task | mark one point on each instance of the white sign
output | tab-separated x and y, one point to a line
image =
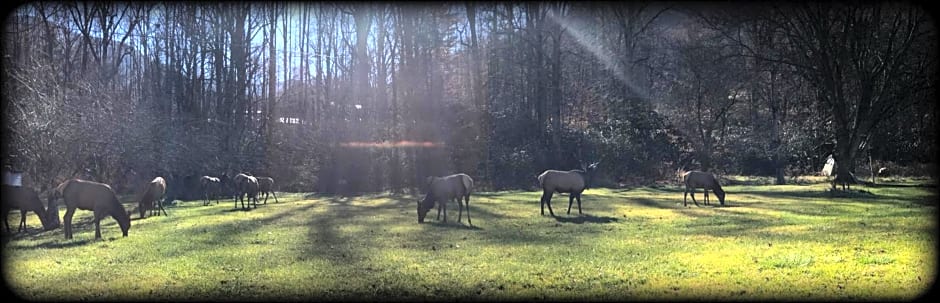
11	178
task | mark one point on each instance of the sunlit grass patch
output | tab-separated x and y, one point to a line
788	260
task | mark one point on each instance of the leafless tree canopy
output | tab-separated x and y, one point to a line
356	97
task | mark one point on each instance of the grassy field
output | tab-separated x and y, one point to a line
770	242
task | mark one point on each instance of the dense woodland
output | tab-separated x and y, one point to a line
354	97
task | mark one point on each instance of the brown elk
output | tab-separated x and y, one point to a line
573	182
152	196
265	186
443	189
210	185
245	185
25	199
93	196
697	179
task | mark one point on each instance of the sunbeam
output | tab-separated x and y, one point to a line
596	47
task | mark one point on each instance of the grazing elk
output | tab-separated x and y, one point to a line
573	182
88	195
152	197
245	185
265	186
25	199
210	185
443	189
697	179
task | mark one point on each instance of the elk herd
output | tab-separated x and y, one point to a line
102	200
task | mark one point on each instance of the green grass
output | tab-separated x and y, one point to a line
770	242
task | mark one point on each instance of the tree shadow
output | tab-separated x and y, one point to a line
452	225
55	244
586	219
229	210
651	203
70	243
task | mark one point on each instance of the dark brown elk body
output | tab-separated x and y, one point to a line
152	196
25	199
266	186
245	185
703	180
573	182
443	189
210	185
94	196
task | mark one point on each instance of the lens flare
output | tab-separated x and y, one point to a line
390	144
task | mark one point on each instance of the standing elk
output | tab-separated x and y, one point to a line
152	197
573	182
210	185
443	189
88	195
25	199
245	185
697	179
265	186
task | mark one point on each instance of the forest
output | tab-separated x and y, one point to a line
346	98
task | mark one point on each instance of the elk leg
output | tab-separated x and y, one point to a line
692	193
6	215
160	203
546	196
579	203
570	200
68	222
468	210
459	209
98	217
542	203
22	225
706	196
265	198
439	206
685	196
548	201
97	229
275	196
444	208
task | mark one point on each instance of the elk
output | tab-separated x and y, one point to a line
265	186
88	195
573	182
443	189
703	180
245	185
152	196
25	199
210	185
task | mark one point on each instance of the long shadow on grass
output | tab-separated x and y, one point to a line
586	219
729	224
834	200
452	225
723	222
